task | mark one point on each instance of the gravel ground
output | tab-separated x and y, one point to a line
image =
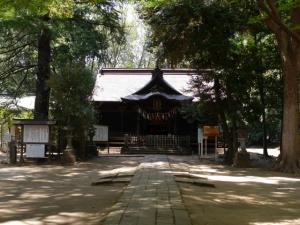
251	196
53	194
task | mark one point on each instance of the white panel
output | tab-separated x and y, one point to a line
35	151
36	134
101	133
200	135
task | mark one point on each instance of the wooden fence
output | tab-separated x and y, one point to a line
157	141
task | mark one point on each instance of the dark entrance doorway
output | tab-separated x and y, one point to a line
157	127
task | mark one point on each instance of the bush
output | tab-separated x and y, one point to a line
72	89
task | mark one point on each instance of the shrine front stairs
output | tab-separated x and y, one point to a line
155	150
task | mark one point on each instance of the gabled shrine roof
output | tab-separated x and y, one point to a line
157	86
115	84
26	102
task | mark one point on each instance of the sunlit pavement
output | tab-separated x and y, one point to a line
152	197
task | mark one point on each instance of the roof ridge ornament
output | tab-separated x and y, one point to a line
157	73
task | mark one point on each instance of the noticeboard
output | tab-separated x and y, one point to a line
36	134
211	131
200	135
35	150
101	133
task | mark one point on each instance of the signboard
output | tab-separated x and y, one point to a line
211	131
36	134
101	133
200	135
35	151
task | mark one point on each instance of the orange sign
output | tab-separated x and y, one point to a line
211	131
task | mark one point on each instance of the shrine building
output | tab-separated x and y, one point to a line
141	108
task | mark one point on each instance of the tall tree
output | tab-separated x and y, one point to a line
50	15
42	94
260	61
17	63
41	11
213	35
198	33
283	19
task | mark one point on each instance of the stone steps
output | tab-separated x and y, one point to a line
145	150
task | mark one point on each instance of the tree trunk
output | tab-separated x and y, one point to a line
289	46
263	113
290	56
41	107
265	138
260	83
228	159
290	154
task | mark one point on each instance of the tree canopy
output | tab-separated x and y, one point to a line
39	36
225	37
251	50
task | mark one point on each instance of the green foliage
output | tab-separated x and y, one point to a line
228	38
72	87
54	8
17	56
7	114
202	113
80	31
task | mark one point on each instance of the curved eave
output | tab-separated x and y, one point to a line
136	97
152	82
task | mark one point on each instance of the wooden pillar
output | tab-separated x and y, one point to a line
144	126
175	124
22	145
122	119
98	113
138	120
126	139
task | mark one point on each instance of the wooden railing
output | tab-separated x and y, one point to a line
157	141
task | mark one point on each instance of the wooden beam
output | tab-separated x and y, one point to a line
148	71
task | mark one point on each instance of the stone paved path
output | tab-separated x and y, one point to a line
151	198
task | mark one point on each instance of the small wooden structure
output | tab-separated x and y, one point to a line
210	131
35	137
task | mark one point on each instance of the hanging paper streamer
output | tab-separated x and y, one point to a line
157	115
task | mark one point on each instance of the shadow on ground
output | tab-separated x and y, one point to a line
60	195
242	196
64	195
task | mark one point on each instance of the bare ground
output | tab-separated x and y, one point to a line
53	194
249	196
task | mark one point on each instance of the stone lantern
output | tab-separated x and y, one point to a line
242	157
68	153
92	148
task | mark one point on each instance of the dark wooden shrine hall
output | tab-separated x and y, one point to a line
142	109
